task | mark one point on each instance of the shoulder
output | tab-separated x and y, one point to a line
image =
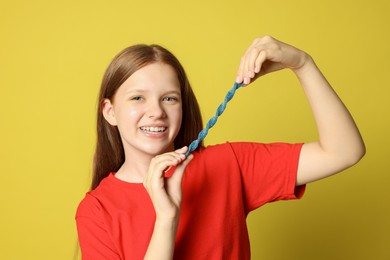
89	206
265	148
237	148
214	153
224	155
228	147
244	152
215	149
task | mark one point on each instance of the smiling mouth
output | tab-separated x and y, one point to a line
153	130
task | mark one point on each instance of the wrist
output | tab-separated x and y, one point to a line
306	68
166	224
167	219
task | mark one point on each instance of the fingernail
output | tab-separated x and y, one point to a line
238	79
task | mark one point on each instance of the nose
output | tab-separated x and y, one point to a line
156	110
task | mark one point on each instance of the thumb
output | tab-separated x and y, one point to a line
179	171
184	164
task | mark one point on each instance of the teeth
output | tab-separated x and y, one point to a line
153	129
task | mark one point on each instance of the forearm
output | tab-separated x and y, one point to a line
340	144
162	243
339	139
166	195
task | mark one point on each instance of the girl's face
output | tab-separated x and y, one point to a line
147	108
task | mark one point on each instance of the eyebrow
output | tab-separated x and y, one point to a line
135	90
173	92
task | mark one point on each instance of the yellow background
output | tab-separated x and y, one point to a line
52	58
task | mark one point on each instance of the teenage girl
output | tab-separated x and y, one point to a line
148	115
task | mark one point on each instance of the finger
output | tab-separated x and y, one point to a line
240	77
243	75
182	150
179	169
159	164
166	162
176	157
251	56
254	54
259	61
246	68
184	164
173	184
181	153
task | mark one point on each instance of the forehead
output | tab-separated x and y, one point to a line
155	76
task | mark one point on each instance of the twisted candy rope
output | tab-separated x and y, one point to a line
214	119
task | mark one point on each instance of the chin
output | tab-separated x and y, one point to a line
154	150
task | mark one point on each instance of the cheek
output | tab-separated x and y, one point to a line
178	116
133	112
130	116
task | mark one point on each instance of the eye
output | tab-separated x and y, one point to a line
136	98
171	99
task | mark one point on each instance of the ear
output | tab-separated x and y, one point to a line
108	112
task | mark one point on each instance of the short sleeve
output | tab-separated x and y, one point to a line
94	239
268	172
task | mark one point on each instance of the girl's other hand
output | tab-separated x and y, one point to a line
266	55
166	193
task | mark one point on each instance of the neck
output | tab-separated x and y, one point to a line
136	166
134	169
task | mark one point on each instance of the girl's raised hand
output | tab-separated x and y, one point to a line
267	55
166	193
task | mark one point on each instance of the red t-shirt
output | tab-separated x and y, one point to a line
221	185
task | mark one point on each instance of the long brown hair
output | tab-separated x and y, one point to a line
109	153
